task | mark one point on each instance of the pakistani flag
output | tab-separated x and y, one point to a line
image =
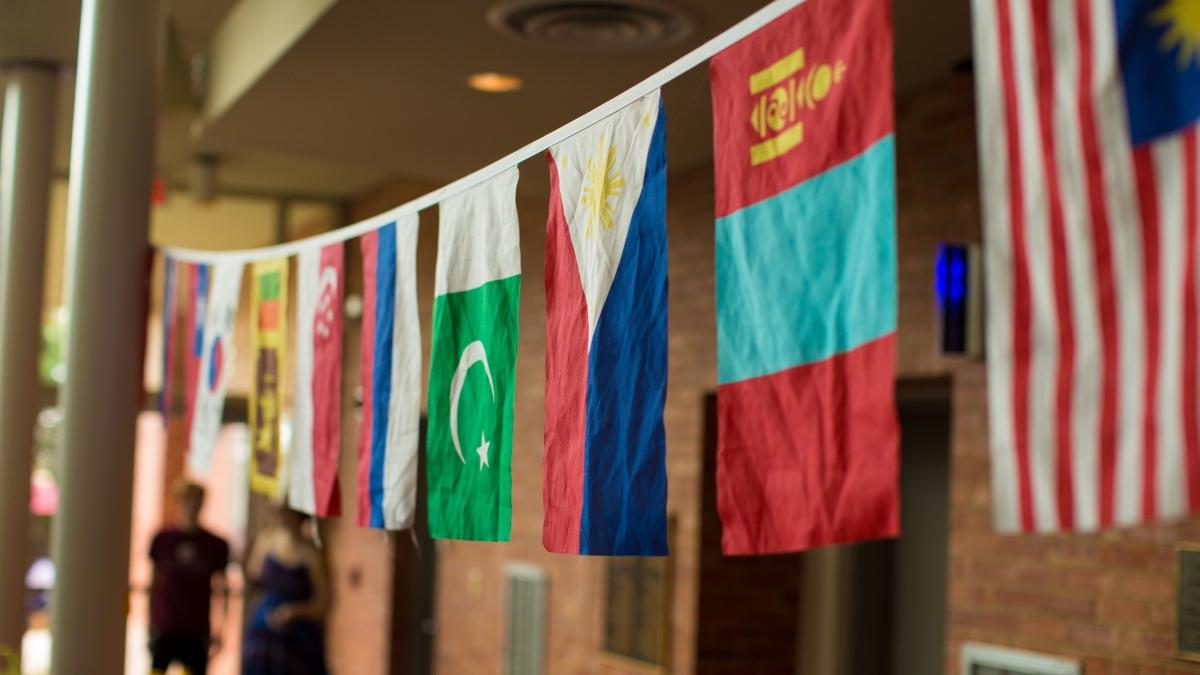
472	372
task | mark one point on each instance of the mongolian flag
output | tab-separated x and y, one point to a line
605	489
317	412
472	372
391	378
169	311
807	450
216	361
268	322
1089	157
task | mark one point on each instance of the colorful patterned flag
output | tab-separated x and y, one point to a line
317	410
195	313
807	451
216	363
472	372
169	312
391	378
268	323
1091	176
605	490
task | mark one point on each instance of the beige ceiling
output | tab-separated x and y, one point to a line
375	89
39	30
380	85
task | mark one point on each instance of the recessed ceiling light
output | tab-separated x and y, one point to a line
494	83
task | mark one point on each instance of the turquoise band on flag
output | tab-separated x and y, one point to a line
811	272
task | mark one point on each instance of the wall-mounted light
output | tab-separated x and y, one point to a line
494	83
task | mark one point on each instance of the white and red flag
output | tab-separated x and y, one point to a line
216	361
1090	190
317	414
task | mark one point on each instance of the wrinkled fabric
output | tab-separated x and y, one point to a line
808	440
605	483
472	370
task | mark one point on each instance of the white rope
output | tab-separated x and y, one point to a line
656	81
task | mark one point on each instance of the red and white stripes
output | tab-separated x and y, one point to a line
1092	279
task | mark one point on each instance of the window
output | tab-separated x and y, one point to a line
987	660
637	611
526	620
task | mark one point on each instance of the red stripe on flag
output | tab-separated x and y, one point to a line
1063	389
1191	329
1102	262
1143	168
1022	324
830	480
370	250
191	355
566	382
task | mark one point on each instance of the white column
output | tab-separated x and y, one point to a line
26	142
112	157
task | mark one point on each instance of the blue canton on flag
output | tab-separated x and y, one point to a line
1160	65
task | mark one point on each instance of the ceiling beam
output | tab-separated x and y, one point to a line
249	41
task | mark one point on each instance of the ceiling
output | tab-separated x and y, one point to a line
376	89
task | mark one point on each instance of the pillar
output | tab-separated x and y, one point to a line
825	611
26	142
108	213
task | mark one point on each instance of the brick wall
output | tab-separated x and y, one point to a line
470	594
1106	598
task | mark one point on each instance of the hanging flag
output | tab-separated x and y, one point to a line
195	313
472	370
1091	176
169	311
605	490
1158	43
216	363
391	378
807	446
268	327
317	415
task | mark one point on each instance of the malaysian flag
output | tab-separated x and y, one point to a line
1090	172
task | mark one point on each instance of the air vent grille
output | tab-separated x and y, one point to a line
596	24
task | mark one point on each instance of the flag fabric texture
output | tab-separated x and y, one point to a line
195	310
1090	176
169	314
317	408
807	450
472	370
391	378
605	482
216	362
268	326
1159	46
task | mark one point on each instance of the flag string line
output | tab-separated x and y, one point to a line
677	68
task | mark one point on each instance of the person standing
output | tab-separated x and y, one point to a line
189	566
286	634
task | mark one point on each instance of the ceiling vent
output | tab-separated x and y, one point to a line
598	24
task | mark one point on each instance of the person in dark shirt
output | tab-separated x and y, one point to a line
189	566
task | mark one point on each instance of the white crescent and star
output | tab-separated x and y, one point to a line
472	354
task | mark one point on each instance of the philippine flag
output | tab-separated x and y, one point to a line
605	489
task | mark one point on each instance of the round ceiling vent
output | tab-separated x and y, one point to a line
595	24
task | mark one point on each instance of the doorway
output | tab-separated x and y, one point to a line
876	608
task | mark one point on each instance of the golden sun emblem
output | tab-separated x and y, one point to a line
1182	19
603	183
